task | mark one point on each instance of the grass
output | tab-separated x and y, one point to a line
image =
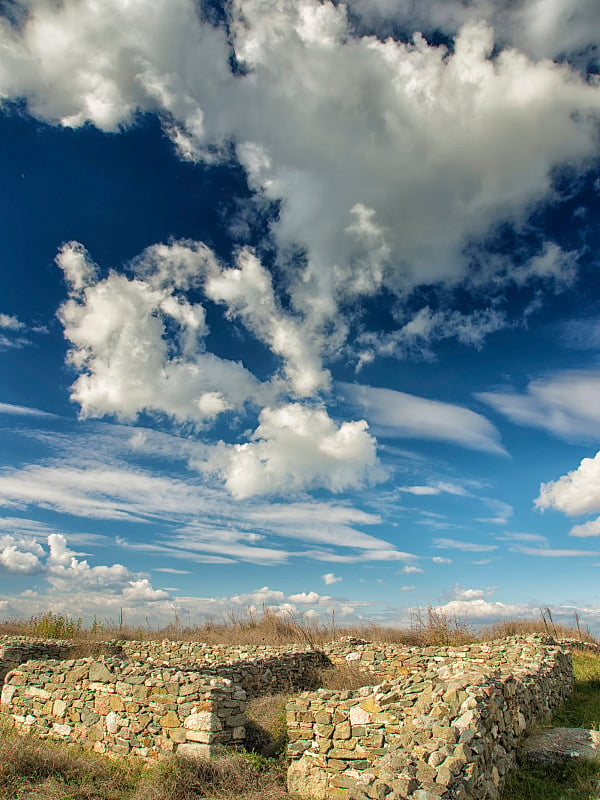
34	769
578	780
266	731
428	626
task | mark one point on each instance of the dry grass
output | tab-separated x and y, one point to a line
428	626
500	630
347	676
35	769
31	768
266	732
228	778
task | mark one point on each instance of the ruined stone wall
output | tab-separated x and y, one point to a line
145	709
15	650
128	709
439	723
258	669
446	726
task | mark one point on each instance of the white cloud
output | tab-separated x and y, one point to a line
486	610
77	265
441	560
142	591
437	488
577	492
19	556
502	511
470	594
172	571
543	28
591	528
307	598
11	323
416	335
405	415
11	328
248	294
117	329
99	485
383	102
297	447
22	411
329	578
564	404
468	547
524	537
549	552
407	588
409	570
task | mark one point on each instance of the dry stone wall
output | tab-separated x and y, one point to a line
15	650
145	708
127	709
436	723
447	725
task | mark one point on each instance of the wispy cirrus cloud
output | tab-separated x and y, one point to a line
467	547
564	404
398	414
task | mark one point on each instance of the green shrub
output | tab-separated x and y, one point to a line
55	626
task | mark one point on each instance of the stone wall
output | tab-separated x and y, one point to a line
114	707
445	726
145	709
436	723
15	650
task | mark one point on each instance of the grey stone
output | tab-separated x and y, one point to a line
559	745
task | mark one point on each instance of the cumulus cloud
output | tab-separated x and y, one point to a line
297	447
11	323
577	492
591	528
410	570
66	574
441	560
117	329
329	579
247	291
20	556
384	102
399	414
542	28
564	404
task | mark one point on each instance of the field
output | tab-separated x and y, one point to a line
31	769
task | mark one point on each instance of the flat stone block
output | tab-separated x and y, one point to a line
559	745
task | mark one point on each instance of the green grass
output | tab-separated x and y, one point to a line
577	780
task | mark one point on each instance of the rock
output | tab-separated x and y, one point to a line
99	673
559	745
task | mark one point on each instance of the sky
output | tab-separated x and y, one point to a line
299	309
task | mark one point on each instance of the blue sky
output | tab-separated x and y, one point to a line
299	308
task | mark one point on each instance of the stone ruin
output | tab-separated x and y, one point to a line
437	722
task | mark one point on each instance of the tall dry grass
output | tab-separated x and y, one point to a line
428	626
